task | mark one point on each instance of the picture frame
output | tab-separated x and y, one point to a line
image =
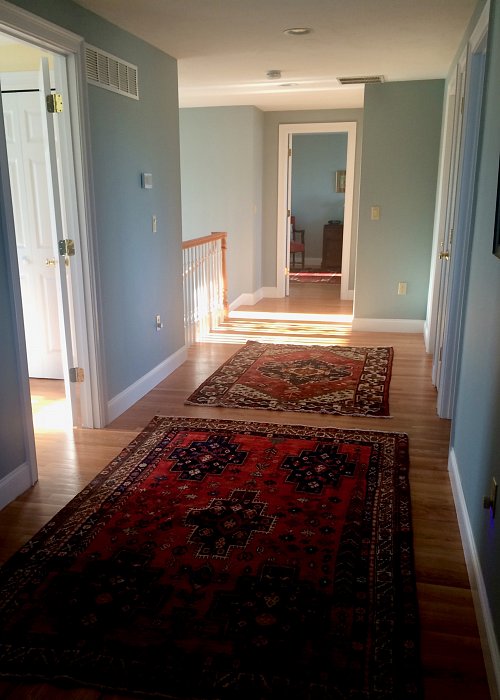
340	181
496	232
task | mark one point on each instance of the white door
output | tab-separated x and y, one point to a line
445	252
288	217
34	235
63	262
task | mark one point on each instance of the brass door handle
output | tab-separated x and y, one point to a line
444	255
50	262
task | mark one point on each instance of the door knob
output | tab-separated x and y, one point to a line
50	262
444	255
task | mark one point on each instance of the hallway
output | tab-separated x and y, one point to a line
451	650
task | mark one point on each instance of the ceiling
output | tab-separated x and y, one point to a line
225	48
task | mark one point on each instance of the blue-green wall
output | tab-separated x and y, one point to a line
221	171
476	426
402	126
139	273
315	160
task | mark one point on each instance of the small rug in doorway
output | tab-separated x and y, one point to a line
312	378
218	559
324	277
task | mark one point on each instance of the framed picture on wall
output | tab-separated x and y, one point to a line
340	181
496	237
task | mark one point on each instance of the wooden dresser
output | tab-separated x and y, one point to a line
332	247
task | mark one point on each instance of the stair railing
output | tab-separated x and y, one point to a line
205	284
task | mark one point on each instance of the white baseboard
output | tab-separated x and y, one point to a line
15	483
388	325
249	299
427	336
125	399
246	299
481	604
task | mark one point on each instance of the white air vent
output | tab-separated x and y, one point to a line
361	80
110	72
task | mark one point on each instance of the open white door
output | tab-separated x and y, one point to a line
26	153
62	246
288	216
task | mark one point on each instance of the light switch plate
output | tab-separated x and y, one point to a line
375	213
147	181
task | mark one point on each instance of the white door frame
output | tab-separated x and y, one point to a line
430	328
285	130
46	35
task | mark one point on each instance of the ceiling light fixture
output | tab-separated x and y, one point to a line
297	31
273	74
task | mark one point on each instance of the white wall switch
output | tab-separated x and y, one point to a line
147	181
375	213
402	288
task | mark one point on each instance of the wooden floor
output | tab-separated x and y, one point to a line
450	647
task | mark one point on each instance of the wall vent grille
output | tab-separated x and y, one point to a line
111	73
361	80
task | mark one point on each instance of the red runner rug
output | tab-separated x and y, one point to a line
312	378
223	559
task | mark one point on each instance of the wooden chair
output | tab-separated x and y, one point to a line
297	243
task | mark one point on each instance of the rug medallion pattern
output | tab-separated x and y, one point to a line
217	559
332	379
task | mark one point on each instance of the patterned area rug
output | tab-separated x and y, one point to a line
224	559
312	378
328	277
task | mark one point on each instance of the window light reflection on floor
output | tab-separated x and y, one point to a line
281	327
50	415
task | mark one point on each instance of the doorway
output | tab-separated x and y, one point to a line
286	134
34	222
80	329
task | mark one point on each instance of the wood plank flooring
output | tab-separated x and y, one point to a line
68	459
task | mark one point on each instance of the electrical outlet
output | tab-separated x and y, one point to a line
375	213
154	223
402	288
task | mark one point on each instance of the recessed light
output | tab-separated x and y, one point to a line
273	74
297	31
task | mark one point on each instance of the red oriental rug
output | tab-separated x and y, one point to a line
313	378
221	559
328	277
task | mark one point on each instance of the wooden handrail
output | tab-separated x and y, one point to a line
218	235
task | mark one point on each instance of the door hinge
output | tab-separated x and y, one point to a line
76	375
66	246
289	152
54	103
